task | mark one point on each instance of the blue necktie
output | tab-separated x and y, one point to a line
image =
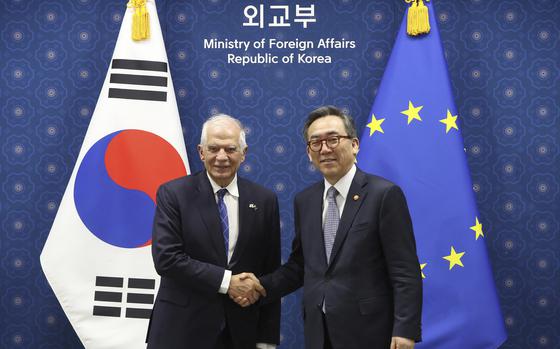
224	218
332	218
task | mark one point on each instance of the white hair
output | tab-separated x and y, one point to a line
223	119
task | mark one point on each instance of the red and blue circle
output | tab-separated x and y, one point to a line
116	184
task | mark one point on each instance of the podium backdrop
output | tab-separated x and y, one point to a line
504	61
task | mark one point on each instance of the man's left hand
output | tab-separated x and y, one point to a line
401	343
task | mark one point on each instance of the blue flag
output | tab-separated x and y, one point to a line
413	138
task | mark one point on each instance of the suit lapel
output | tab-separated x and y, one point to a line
206	204
351	207
246	218
315	211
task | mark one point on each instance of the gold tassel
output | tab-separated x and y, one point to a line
411	27
423	18
140	20
417	21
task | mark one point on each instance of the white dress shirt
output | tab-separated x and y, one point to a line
231	200
342	187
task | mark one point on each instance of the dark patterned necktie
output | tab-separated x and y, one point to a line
224	218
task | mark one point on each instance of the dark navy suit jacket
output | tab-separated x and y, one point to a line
372	285
189	253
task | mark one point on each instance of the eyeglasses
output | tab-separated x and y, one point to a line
331	142
214	149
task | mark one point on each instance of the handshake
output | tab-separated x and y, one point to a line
245	289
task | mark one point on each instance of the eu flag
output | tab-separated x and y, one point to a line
413	137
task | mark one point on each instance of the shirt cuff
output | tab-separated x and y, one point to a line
266	346
224	287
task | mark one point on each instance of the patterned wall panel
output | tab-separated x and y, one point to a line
503	58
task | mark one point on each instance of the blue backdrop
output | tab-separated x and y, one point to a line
504	60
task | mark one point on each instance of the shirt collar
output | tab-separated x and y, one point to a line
231	187
343	184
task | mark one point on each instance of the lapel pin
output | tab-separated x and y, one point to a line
253	206
356	197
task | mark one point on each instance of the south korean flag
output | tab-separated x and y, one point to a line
97	257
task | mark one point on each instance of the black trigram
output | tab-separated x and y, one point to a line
111	290
138	80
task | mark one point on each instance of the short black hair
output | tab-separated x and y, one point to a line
330	110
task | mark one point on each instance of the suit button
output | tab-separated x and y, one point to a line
327	277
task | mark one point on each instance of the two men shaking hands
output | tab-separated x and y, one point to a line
216	239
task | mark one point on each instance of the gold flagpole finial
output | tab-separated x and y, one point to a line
417	20
140	20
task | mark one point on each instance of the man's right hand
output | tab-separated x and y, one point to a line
245	289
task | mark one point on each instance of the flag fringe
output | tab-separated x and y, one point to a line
417	20
140	20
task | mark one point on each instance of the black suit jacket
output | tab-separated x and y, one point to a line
189	253
372	285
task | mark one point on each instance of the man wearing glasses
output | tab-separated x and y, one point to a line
353	251
209	227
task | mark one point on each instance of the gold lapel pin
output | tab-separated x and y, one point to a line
356	197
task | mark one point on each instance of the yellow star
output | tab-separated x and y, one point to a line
412	112
454	258
450	122
422	266
477	228
375	125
